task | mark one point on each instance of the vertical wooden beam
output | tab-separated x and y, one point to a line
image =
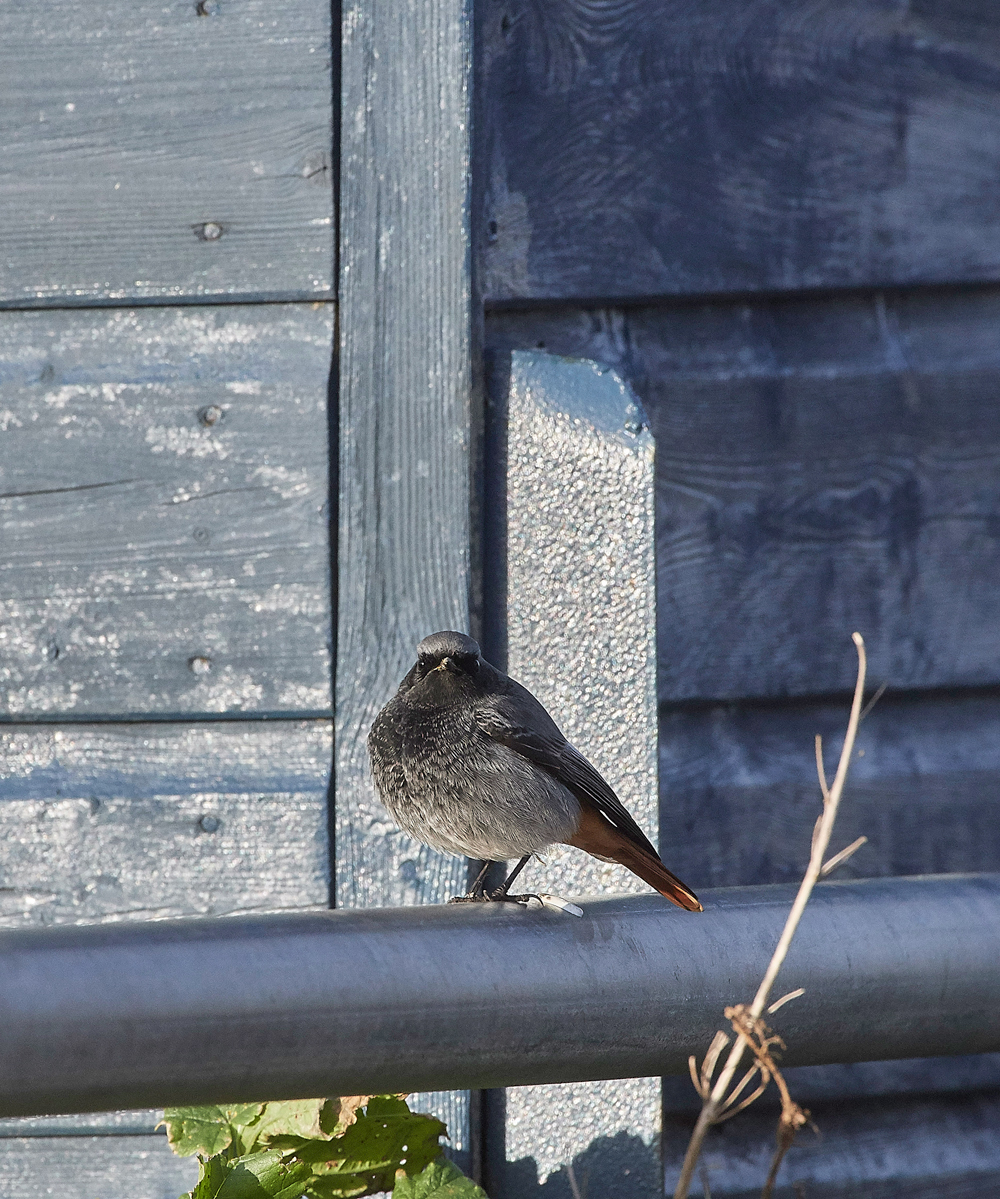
405	382
581	634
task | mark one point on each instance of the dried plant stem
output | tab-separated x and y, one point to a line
712	1106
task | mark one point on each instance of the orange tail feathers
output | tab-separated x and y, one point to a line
598	837
654	872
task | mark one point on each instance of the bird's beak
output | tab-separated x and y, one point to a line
447	664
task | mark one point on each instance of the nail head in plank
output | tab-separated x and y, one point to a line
157	154
163	499
141	821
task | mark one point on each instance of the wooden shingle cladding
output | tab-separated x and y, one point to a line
697	147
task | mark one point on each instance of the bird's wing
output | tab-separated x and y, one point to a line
516	719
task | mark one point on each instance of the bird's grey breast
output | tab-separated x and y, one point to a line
459	790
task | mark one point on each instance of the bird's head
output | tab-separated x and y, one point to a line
448	653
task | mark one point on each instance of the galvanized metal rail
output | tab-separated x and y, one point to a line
427	998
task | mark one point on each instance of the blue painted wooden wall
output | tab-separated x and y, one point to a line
778	221
166	339
776	218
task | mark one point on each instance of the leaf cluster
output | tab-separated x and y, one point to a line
316	1149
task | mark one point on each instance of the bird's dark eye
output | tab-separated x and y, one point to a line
424	664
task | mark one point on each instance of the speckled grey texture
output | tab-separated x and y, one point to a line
581	624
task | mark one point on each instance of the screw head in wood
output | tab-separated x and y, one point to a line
199	664
209	824
211	415
208	231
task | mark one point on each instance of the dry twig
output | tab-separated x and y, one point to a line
718	1100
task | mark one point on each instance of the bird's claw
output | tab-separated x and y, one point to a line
498	896
502	897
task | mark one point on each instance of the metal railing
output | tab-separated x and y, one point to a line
429	998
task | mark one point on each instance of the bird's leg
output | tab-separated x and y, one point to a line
502	894
475	893
476	890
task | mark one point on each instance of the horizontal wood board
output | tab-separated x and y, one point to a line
669	147
164	511
106	1124
921	1148
153	153
145	821
823	466
889	1081
137	1167
739	794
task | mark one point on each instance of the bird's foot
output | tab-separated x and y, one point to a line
501	896
470	898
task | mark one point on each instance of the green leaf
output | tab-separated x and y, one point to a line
440	1180
211	1175
264	1175
256	1176
386	1137
207	1130
342	1186
298	1118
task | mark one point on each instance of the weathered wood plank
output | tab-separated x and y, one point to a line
405	387
739	791
164	511
581	635
140	821
889	1080
137	1167
920	1148
823	466
644	147
109	1124
405	416
157	153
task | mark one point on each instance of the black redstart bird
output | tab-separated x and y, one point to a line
469	762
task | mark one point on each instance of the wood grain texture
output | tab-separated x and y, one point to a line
141	821
106	1124
126	134
823	466
153	562
405	381
890	1081
405	416
86	1167
921	1148
663	147
739	790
